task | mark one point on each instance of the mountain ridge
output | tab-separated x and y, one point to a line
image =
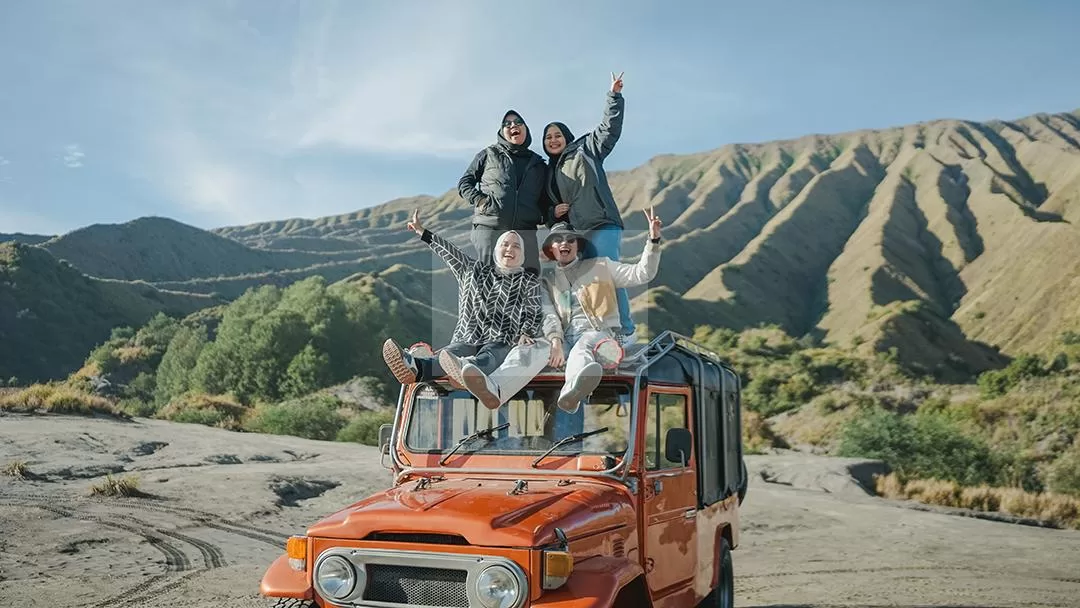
952	241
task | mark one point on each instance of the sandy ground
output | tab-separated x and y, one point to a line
222	504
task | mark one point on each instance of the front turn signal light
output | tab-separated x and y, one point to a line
558	566
296	549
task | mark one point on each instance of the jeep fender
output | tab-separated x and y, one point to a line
281	580
595	583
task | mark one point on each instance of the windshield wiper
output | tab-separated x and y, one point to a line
565	440
485	433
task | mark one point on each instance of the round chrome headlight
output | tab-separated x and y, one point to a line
335	577
497	587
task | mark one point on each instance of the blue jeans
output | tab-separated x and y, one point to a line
606	241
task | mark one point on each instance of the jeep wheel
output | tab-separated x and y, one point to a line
744	481
724	594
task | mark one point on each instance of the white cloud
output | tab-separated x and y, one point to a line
227	106
73	156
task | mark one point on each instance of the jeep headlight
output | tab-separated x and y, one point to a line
497	587
337	579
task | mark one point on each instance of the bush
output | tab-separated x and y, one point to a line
921	446
209	410
1063	476
312	417
58	399
117	486
364	428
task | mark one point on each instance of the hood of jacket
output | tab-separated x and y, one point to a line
522	148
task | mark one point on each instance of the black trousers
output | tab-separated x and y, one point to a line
488	357
484	238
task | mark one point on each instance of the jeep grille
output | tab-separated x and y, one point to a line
414	585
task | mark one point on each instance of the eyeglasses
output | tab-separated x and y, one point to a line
563	238
513	122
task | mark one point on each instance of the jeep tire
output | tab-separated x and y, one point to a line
744	481
724	594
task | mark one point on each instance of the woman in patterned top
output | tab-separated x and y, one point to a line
500	305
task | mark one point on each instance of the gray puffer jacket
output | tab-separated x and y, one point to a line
577	176
504	184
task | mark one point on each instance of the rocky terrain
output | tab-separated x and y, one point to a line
218	505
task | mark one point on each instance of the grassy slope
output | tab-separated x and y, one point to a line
51	315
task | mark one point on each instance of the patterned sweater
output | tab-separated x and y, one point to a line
494	306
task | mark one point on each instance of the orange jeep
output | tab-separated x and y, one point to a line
633	500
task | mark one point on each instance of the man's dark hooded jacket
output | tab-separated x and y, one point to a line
504	183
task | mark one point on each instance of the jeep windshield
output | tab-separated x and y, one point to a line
524	428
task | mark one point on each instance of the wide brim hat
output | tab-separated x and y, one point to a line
560	229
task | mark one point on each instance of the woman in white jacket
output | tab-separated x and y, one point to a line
583	292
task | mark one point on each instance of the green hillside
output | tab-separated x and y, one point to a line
51	315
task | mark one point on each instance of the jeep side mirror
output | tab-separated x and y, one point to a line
677	445
384	438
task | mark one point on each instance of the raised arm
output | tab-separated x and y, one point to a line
467	185
632	275
458	261
601	141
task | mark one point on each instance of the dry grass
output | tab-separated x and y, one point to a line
17	469
211	410
58	399
758	436
1059	509
117	486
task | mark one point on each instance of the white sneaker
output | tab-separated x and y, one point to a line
452	365
580	387
477	383
628	340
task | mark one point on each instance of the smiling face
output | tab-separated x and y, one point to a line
508	251
514	129
554	142
564	248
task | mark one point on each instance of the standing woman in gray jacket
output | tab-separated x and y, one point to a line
577	190
504	183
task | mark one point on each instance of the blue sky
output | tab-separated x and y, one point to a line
237	111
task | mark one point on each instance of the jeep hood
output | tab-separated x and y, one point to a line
485	511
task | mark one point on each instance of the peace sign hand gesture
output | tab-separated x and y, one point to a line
654	223
616	82
414	224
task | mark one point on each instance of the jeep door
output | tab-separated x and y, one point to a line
669	510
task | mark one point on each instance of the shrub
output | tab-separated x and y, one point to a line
58	399
1063	475
924	445
312	417
16	469
117	486
1057	509
364	428
209	410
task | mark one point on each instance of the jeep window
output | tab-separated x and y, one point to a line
664	412
438	419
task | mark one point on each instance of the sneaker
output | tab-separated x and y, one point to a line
628	340
400	363
452	365
580	387
480	385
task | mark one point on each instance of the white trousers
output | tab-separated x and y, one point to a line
521	365
581	354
